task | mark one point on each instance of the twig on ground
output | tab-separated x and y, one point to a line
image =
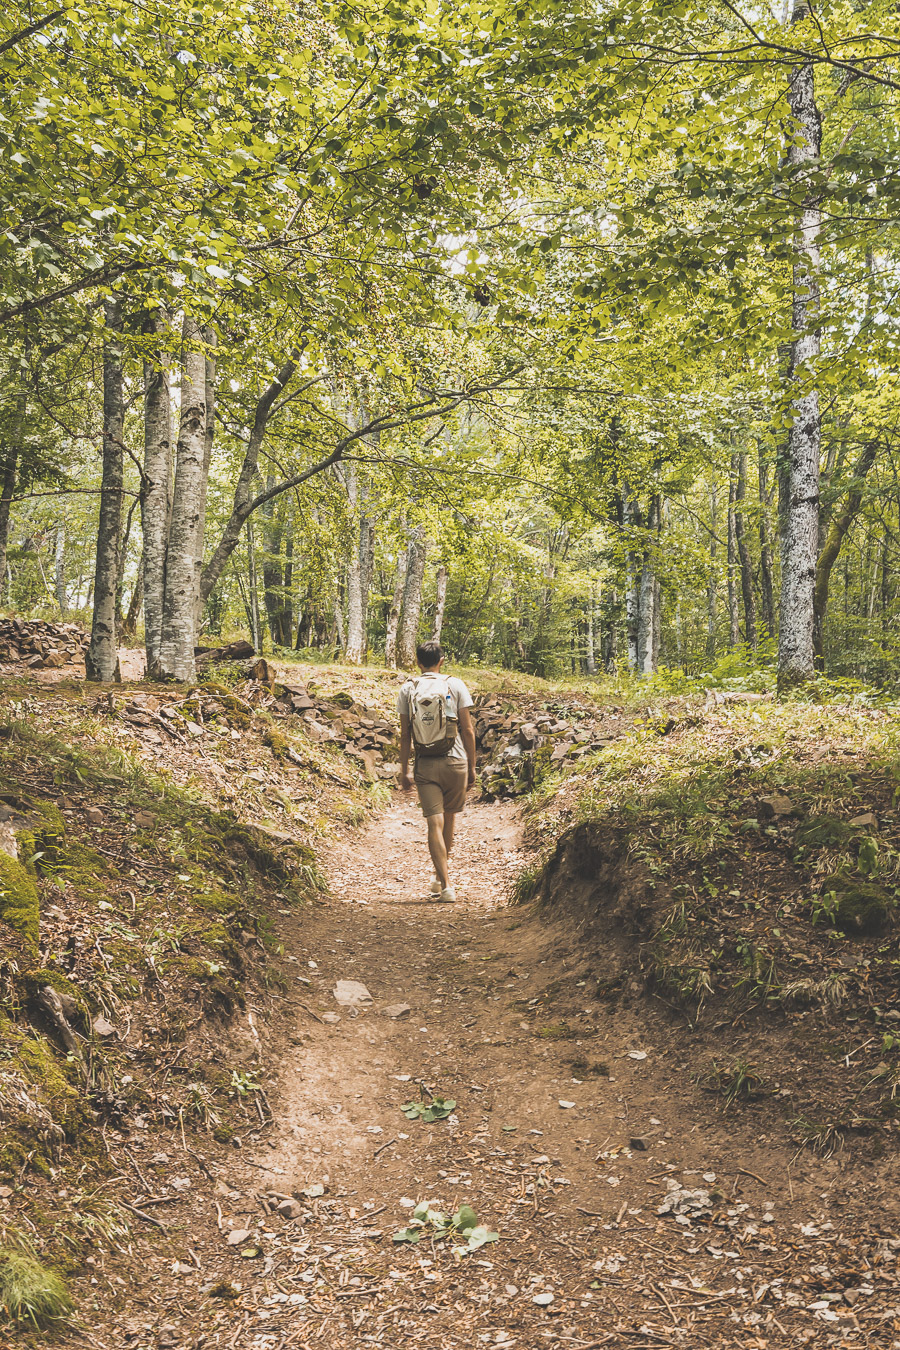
149	1218
382	1147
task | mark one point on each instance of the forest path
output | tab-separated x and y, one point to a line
540	1145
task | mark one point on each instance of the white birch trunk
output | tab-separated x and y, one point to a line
180	598
440	603
393	622
646	597
734	616
356	568
590	658
711	587
59	570
209	336
412	598
801	523
156	502
101	660
8	473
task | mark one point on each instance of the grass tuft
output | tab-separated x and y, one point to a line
29	1292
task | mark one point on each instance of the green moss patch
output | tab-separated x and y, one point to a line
19	903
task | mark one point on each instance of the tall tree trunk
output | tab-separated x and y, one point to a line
393	620
287	598
631	517
711	586
253	583
590	656
101	660
273	577
647	629
740	534
209	337
357	569
156	497
799	545
179	628
129	623
440	603
609	638
765	547
840	523
59	570
734	617
9	463
412	598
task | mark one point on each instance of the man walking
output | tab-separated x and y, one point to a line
435	721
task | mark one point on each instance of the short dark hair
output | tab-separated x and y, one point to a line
429	654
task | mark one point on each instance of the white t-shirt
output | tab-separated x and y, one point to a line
458	693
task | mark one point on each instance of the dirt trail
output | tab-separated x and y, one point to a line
552	1086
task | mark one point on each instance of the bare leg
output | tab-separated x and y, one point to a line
438	849
449	826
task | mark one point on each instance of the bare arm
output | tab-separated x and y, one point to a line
467	733
405	748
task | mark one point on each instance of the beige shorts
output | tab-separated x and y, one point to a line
441	784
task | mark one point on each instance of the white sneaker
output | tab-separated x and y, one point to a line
448	894
436	887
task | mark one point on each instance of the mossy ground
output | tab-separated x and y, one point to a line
728	914
151	921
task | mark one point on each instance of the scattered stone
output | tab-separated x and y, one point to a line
144	819
352	994
93	815
102	1027
543	1300
331	1018
684	1204
774	807
640	1142
237	1236
867	821
397	1010
290	1209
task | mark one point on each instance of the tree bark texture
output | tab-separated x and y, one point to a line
157	492
767	585
357	569
647	597
9	464
838	528
712	596
393	620
101	660
801	523
179	626
743	550
59	570
412	598
440	603
209	337
734	616
590	655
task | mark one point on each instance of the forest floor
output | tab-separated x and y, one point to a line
631	1206
770	1249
